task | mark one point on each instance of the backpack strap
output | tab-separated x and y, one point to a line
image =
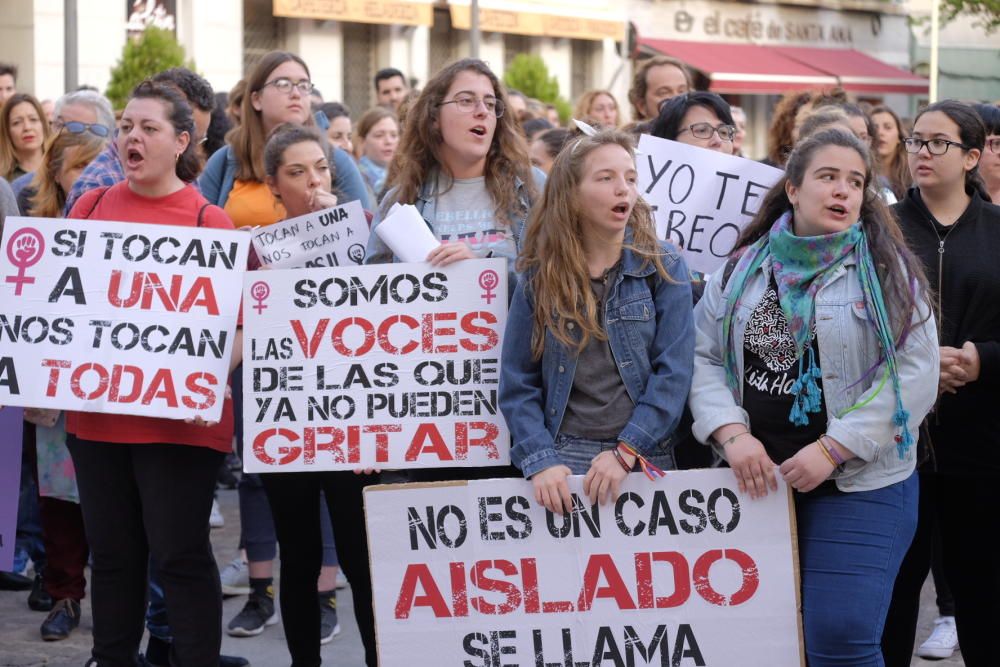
201	213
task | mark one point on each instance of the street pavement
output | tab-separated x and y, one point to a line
21	646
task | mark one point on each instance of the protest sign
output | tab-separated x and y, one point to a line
11	424
701	198
685	571
392	365
118	317
335	236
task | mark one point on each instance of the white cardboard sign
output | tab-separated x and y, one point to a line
335	236
389	366
701	198
685	571
118	317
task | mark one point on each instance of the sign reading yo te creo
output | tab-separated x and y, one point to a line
393	366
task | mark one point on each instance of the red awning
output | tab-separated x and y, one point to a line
857	72
755	69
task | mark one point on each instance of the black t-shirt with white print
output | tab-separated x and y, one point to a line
770	368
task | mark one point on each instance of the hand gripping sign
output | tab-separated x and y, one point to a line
685	571
394	366
701	199
118	317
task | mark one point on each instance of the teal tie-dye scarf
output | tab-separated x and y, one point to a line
801	265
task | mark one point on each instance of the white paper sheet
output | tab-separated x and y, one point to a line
406	234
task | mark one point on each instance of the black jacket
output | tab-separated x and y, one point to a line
962	263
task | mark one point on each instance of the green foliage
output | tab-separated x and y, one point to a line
156	50
529	75
985	12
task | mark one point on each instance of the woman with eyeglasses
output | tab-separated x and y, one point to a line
464	164
954	230
24	129
989	162
699	119
277	92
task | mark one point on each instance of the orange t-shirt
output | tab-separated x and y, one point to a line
252	204
180	208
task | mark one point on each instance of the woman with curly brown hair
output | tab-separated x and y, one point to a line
888	146
780	136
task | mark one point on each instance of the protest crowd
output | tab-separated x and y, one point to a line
845	343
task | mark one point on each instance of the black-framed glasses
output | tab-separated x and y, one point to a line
469	103
706	130
76	127
285	85
934	146
993	144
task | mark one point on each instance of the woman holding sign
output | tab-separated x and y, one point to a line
597	352
816	352
146	484
298	175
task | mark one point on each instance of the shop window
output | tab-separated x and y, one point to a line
514	45
262	32
360	43
442	48
582	66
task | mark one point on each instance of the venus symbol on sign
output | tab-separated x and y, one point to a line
488	280
260	291
24	249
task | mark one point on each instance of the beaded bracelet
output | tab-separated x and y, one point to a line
838	460
651	471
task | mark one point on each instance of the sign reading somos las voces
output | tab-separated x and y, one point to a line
685	571
393	365
332	237
118	317
701	199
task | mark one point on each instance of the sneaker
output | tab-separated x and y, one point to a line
232	661
342	582
39	598
61	621
215	519
235	577
329	627
943	641
257	614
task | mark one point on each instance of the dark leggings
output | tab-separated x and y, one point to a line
294	499
961	509
147	500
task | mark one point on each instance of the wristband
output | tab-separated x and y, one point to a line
651	471
730	440
826	453
621	460
838	460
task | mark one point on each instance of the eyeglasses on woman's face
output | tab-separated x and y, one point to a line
705	131
934	146
284	85
467	103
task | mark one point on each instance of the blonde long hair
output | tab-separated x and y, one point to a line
50	198
553	257
420	145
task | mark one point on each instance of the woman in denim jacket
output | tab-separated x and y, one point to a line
818	354
597	353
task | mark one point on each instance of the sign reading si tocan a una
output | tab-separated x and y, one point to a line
685	571
393	365
118	317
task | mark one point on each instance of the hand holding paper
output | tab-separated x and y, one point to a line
406	234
